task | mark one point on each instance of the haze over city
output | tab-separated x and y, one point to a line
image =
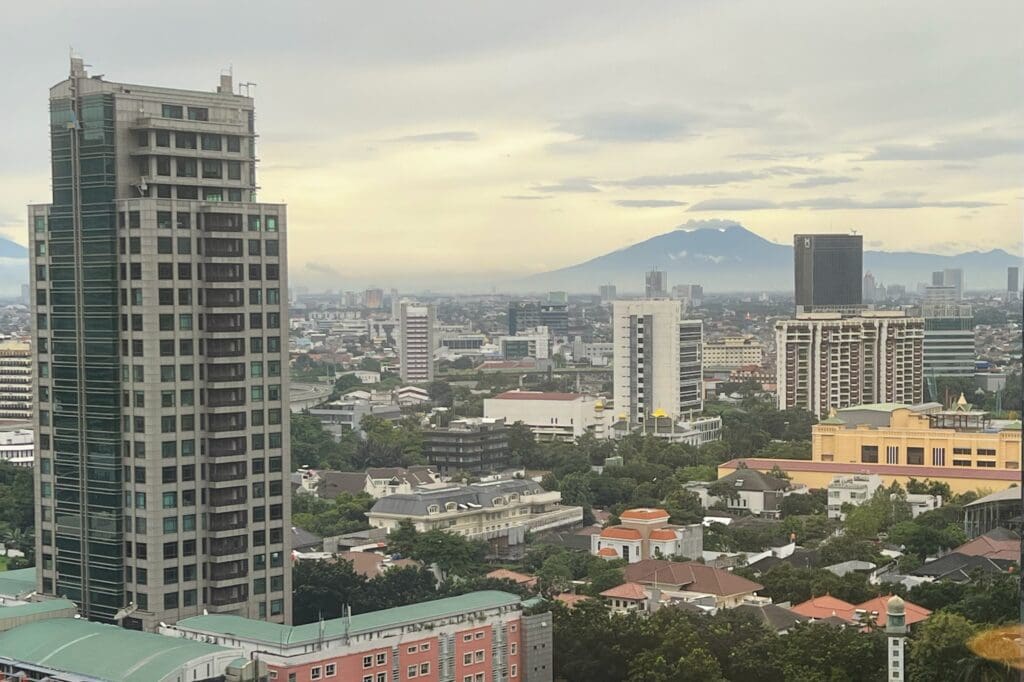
431	144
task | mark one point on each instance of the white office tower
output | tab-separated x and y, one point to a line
416	345
826	360
657	361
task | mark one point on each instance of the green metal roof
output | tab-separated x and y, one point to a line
273	633
33	608
105	652
21	581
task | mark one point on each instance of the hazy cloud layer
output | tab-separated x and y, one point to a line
414	157
831	204
648	203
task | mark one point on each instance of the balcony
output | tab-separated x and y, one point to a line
219	596
224	397
223	272
228	497
221	222
222	248
238	544
234	371
232	471
227	447
225	348
225	322
224	298
230	570
231	421
229	521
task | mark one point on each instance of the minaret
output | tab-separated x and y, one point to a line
896	629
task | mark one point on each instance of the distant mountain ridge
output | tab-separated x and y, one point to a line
722	255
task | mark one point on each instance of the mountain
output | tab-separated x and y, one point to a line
722	255
13	268
9	249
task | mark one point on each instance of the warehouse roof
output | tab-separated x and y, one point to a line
103	652
18	582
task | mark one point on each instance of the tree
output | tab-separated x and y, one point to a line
346	383
402	540
813	502
454	554
368	364
684	507
575	489
555	575
939	647
440	393
522	443
344	514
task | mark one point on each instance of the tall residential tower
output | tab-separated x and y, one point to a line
162	359
416	339
658	360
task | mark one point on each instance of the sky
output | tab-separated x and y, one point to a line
428	143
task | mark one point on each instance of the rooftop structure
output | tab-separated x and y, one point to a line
728	589
477	445
1000	509
551	416
15	380
500	512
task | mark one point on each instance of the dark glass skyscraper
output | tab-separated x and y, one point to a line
829	271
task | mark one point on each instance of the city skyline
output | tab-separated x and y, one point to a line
524	131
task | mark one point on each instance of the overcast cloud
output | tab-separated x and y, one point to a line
440	139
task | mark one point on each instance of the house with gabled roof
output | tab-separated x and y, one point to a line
691	580
645	533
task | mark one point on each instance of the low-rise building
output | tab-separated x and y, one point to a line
694	431
1000	509
645	533
869	613
15	380
550	415
75	650
476	636
499	512
376	482
690	581
747	490
853	490
961	447
17	447
477	445
341	416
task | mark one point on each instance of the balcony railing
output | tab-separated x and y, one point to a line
219	596
222	248
235	471
234	371
223	272
226	447
224	397
225	322
228	497
229	570
224	298
232	421
225	546
229	521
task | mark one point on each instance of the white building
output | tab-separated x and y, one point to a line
15	380
17	447
416	348
551	416
853	490
948	340
733	351
826	360
645	533
657	360
534	343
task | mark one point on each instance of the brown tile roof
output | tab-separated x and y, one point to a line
620	533
633	591
571	600
371	565
644	514
607	552
334	483
914	612
689	576
663	534
823	607
992	546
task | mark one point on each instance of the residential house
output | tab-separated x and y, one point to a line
645	533
871	612
627	598
747	490
376	482
694	580
776	618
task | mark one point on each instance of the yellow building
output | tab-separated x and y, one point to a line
961	446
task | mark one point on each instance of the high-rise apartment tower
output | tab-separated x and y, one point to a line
657	360
416	339
162	359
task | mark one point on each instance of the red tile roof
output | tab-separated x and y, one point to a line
537	395
689	576
824	607
608	552
644	514
663	534
915	613
792	465
992	548
632	591
620	533
571	600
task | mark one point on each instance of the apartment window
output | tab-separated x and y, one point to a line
163	165
184	297
198	114
411	650
254	223
315	672
411	672
467	658
892	454
513	670
425	646
172	111
272	247
170	550
211	143
424	668
184	220
961	451
184	246
961	462
367	661
185	140
255	345
988	452
915	456
254	247
479	656
234	170
478	635
513	647
382	658
212	169
869	454
185	168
